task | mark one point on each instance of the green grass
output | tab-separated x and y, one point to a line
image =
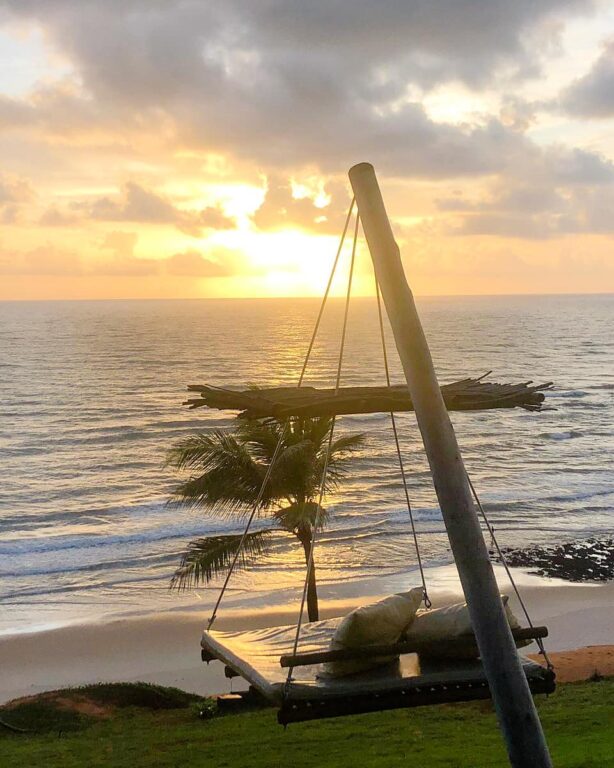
142	726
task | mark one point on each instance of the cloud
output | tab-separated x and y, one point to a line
288	83
545	193
296	91
282	207
592	96
44	260
509	225
194	264
137	204
14	194
120	260
121	243
205	43
15	113
527	211
516	113
578	166
590	211
54	217
14	190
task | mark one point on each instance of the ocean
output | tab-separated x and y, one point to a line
91	398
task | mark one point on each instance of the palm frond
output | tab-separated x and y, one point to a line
207	449
260	436
218	492
208	557
347	444
303	516
337	464
226	478
293	475
228	467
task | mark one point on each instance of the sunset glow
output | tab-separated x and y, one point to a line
496	154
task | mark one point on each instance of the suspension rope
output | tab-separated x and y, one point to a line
284	430
250	519
326	292
326	460
427	601
491	531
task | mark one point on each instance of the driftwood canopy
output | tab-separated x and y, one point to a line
282	402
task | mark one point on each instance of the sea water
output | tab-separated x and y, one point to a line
91	399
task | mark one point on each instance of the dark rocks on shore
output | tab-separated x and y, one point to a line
588	560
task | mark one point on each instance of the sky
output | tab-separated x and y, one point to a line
181	148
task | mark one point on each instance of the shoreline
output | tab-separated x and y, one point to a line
164	648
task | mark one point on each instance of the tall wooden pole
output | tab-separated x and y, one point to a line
510	691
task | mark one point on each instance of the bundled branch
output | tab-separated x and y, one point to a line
281	402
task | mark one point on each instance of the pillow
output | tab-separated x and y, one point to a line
380	623
441	624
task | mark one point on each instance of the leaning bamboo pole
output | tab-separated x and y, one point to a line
514	705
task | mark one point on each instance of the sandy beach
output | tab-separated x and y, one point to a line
164	648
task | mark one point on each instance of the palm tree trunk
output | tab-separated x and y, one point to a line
312	590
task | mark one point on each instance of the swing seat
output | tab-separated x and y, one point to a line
411	680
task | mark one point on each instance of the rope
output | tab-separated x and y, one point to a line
250	519
491	530
326	292
427	601
326	459
282	435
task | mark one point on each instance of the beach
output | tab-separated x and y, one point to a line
164	647
85	532
88	544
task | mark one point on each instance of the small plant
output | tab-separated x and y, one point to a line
206	709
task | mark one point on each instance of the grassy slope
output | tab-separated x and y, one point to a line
578	719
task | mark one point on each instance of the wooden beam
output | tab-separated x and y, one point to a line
463	645
514	705
297	710
284	402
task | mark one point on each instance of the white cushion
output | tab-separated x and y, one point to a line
440	624
380	623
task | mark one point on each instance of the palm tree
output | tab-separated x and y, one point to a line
227	468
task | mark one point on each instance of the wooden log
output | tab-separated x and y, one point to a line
515	708
463	645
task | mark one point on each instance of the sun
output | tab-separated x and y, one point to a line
291	262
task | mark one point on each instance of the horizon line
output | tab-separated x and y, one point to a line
302	298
